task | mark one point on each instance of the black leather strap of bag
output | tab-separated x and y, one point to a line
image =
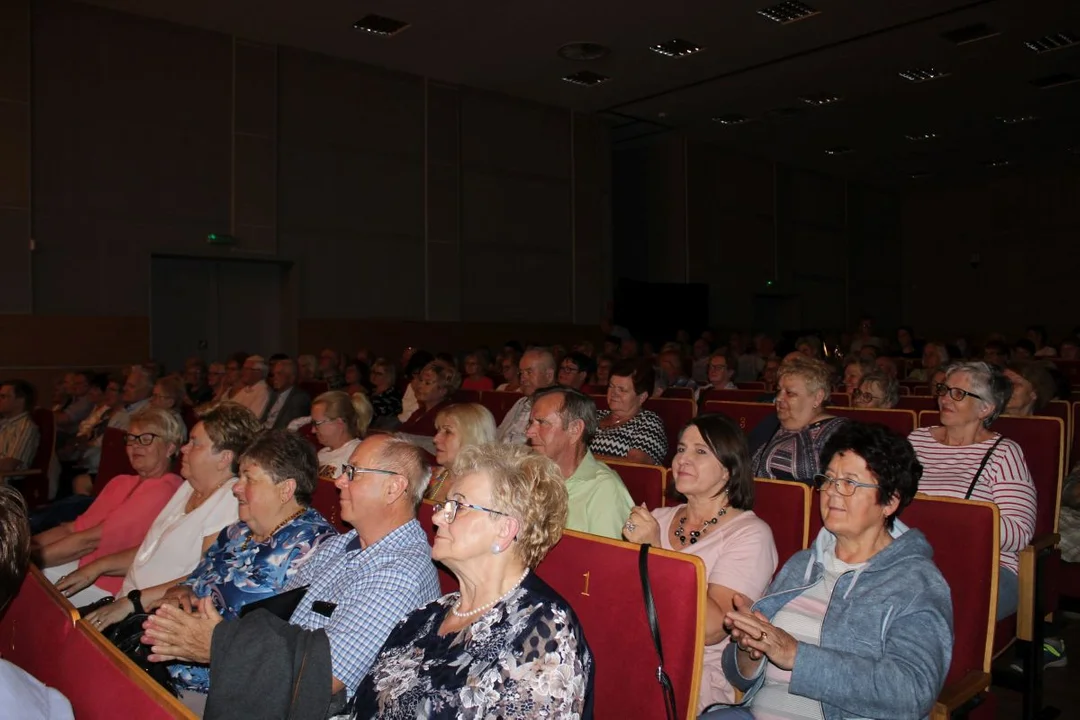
982	466
654	627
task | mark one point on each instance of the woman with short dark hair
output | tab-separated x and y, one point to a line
626	430
717	523
859	625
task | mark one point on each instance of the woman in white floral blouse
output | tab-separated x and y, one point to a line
506	645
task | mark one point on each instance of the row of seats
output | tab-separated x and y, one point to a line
41	633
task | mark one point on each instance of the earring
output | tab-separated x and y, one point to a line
495	549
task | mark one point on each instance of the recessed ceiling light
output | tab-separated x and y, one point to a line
731	119
918	75
586	78
921	137
676	48
1056	80
379	25
583	51
970	34
839	150
819	99
1017	119
1049	43
996	163
788	12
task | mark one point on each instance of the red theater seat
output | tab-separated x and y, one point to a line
467	396
645	483
675	414
599	578
1071	370
840	400
732	395
679	393
499	403
114	459
751	385
902	422
326	501
786	507
918	403
747	415
601	401
314	388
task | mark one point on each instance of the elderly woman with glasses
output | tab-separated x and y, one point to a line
963	458
860	624
626	429
505	645
876	390
188	524
122	513
437	383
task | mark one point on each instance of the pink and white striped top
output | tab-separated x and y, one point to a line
1005	481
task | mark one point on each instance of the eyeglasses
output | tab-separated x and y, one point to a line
844	486
955	393
857	393
569	369
450	509
320	423
718	368
351	471
143	439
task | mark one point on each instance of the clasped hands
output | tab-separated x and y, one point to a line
177	633
757	637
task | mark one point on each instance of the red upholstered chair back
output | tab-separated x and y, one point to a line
966	541
600	400
645	483
904	390
326	501
314	388
1043	441
746	414
840	400
600	579
901	422
187	414
499	403
786	507
114	459
918	403
751	385
35	487
1071	370
467	396
734	395
675	414
679	393
35	626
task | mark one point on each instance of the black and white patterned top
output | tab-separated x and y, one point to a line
526	659
644	432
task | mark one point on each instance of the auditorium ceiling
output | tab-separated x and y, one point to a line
993	85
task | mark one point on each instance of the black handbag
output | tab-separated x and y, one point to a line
126	635
654	627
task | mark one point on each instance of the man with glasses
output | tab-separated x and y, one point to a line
562	424
537	371
359	586
574	370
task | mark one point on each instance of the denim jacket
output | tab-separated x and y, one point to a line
886	640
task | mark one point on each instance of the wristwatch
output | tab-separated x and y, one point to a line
135	596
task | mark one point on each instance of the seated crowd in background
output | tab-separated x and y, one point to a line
213	520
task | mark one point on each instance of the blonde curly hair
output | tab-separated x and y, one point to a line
526	486
815	373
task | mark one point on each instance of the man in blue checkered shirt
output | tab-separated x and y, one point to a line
361	584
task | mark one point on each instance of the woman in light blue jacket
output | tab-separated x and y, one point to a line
859	625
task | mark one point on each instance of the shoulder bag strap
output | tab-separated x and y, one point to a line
654	628
982	466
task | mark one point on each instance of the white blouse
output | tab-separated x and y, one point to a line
173	546
330	461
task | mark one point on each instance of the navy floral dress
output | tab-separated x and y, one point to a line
235	576
526	658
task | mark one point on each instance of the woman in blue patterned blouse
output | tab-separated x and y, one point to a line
255	557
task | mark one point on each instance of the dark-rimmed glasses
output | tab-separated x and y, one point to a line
857	393
450	508
955	393
143	439
351	471
844	486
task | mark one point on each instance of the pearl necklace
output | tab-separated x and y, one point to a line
286	521
493	603
695	534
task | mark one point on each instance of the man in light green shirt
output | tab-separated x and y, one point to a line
561	424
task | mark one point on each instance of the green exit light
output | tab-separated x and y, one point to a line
768	283
220	239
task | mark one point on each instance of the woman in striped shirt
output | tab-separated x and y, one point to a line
963	458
